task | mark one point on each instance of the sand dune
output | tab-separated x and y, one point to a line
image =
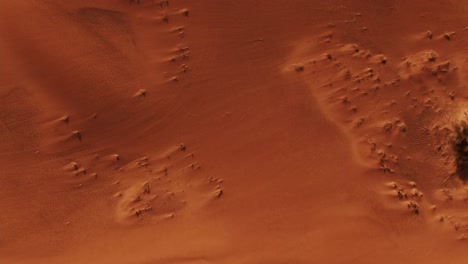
232	131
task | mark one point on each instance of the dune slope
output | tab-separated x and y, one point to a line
232	131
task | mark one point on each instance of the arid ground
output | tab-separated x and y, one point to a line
232	131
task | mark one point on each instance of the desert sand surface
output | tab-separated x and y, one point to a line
246	131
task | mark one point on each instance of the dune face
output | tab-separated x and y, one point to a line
233	131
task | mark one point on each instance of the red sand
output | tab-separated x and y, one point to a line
232	131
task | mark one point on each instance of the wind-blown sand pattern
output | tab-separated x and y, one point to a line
155	131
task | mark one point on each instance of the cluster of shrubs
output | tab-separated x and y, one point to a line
460	147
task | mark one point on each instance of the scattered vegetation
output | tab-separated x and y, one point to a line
460	147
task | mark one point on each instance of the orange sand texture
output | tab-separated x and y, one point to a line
232	131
